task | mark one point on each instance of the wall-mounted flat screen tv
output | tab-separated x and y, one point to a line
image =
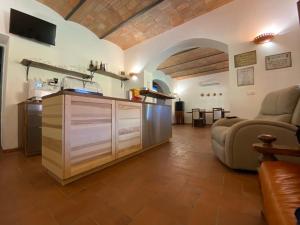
31	27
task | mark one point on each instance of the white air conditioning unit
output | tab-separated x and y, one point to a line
209	82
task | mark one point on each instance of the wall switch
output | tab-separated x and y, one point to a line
251	93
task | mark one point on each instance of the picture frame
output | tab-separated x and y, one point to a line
245	76
245	59
278	61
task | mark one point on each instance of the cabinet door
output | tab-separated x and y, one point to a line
34	130
128	128
89	133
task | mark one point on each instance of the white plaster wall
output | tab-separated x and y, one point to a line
250	97
75	47
167	79
236	24
190	90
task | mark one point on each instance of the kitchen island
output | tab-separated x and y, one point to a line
82	133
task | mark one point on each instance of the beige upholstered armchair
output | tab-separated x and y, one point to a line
232	139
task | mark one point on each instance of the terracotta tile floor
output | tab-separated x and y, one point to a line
179	183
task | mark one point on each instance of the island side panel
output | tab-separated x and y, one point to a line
128	128
53	135
89	134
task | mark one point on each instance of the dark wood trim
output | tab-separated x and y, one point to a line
185	51
195	67
298	4
29	63
65	92
202	74
75	9
205	71
268	150
11	150
276	149
109	74
139	13
154	94
205	57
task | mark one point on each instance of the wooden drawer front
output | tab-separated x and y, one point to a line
52	135
128	128
90	133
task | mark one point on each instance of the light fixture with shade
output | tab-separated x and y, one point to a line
264	38
133	76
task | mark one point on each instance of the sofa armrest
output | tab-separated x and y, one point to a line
268	149
227	122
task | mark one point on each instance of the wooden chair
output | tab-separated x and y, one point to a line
198	118
217	114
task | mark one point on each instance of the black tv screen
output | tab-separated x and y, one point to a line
32	27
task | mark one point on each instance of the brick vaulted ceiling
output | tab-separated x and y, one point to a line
129	22
195	62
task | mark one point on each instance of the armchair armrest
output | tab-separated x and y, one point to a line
245	123
227	122
268	149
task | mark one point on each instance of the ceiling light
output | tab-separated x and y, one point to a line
133	76
264	38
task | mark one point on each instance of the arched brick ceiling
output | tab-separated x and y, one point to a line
129	22
195	62
63	7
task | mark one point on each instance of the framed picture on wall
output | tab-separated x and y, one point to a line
245	76
279	61
245	59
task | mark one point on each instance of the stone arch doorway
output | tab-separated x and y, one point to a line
162	87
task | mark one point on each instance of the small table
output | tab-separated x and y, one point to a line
222	114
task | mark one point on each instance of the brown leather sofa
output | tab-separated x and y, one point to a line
280	183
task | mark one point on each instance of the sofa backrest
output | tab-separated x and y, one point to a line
282	105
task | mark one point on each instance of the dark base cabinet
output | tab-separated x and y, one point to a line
179	112
30	127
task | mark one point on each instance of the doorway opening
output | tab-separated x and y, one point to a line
162	87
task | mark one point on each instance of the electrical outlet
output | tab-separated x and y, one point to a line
251	93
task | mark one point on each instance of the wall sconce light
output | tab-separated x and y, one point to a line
133	76
264	38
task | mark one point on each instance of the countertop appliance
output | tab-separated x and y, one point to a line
81	86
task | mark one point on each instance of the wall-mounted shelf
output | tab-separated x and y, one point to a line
154	94
30	63
112	75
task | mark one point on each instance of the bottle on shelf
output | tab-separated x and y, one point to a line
91	66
